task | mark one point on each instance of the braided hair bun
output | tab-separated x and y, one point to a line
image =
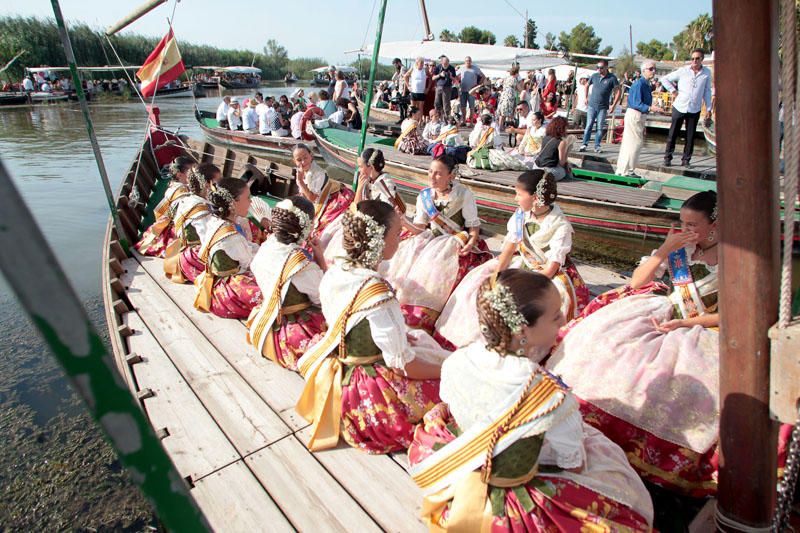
356	241
540	183
286	226
223	196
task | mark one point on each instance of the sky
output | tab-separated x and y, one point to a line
328	28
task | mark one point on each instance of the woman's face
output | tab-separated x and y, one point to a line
365	169
302	159
439	176
524	199
392	237
697	222
183	175
241	205
544	332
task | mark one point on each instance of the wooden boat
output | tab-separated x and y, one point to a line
709	131
13	98
225	414
43	97
253	143
381	115
176	92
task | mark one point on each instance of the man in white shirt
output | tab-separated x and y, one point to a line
234	117
434	126
581	97
222	112
693	88
337	117
27	84
250	118
294	124
262	112
525	120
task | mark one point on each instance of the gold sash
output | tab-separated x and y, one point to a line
180	191
205	281
403	135
328	189
444	134
172	254
154	232
484	139
259	324
321	400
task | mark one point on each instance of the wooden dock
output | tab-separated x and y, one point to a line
651	162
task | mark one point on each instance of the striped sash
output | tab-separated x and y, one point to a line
403	135
163	206
205	281
483	140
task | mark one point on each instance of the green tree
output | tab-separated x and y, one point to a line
550	41
448	36
472	34
655	49
275	60
533	32
383	72
624	63
699	33
582	40
512	41
302	66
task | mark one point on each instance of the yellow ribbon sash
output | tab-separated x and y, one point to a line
330	188
484	139
172	254
321	400
403	135
163	206
154	231
205	281
259	324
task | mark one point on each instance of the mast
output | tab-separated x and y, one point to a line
133	16
425	22
748	201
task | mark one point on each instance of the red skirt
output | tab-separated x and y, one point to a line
582	294
381	407
190	263
337	204
296	333
235	296
554	504
159	245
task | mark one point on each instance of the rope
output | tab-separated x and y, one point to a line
790	154
723	522
369	23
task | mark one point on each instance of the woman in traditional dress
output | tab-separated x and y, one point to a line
157	237
368	378
226	287
289	318
531	142
410	140
646	366
445	246
539	237
329	197
507	449
192	212
508	98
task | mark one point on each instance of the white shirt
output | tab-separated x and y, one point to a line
337	117
262	111
460	198
418	79
269	260
249	119
583	99
222	110
27	84
694	88
294	123
432	130
234	121
554	235
476	134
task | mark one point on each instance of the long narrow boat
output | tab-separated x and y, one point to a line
13	98
710	134
254	143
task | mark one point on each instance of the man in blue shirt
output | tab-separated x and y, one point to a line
604	84
640	102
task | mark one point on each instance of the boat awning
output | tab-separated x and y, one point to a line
83	69
241	70
480	53
346	70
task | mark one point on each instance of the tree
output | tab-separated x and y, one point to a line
549	41
533	31
472	34
582	40
448	36
275	61
655	49
624	63
699	33
512	41
383	72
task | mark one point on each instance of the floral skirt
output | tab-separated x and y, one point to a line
190	263
158	246
381	407
336	206
550	502
235	296
296	333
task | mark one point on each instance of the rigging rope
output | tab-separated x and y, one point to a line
369	23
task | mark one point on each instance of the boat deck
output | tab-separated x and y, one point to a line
226	417
651	162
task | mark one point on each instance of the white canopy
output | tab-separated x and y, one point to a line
346	70
242	70
480	53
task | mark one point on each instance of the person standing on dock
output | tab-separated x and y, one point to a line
604	85
469	76
690	87
640	102
443	74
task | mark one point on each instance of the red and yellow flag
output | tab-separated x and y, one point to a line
163	65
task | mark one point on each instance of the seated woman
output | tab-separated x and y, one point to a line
507	450
192	212
646	367
226	287
289	317
552	157
539	238
410	140
445	246
368	378
329	197
157	237
485	133
549	106
487	144
531	143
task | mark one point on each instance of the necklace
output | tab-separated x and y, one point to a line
702	251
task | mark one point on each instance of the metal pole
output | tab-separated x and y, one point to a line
98	156
372	69
42	288
747	184
134	15
526	29
425	22
630	37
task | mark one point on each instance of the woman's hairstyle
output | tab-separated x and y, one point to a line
703	202
302	146
363	249
514	70
286	225
486	119
342	102
323	95
447	160
539	115
201	177
224	194
374	158
540	183
527	289
180	164
557	128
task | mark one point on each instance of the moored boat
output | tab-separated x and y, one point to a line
13	98
710	134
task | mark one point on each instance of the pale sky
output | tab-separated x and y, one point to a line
328	28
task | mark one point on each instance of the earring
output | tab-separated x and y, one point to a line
523	341
520	352
711	235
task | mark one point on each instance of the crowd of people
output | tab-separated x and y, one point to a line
523	403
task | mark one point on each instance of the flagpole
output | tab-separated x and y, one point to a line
98	156
373	68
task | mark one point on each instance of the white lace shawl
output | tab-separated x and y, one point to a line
235	245
554	230
268	264
460	198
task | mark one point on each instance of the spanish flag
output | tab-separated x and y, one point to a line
162	66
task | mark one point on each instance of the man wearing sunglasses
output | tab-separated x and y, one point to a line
640	102
604	84
693	88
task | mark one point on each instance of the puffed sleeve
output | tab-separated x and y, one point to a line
389	334
662	268
238	248
315	179
420	215
560	244
511	231
563	443
470	210
307	281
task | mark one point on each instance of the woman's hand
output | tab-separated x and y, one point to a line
467	247
676	240
669	325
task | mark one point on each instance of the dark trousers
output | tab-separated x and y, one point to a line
678	119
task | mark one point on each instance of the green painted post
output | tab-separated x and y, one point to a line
368	101
98	156
42	288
